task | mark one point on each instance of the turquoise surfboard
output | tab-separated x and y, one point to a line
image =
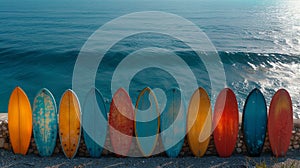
44	118
254	124
146	121
173	123
94	122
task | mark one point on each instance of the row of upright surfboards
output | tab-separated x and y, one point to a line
145	122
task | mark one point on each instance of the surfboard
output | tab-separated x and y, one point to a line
280	123
19	121
199	122
173	123
69	123
254	122
225	122
94	122
147	121
121	115
44	118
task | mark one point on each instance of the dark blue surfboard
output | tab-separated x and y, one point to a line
173	123
94	122
147	121
254	124
44	118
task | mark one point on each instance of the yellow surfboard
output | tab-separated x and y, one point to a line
199	122
69	123
19	121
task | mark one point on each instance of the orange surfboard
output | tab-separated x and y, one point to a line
280	122
69	123
225	122
121	124
19	121
199	122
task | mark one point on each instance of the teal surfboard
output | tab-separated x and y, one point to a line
173	123
94	122
254	124
146	121
44	118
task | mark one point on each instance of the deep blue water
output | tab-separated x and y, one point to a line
258	42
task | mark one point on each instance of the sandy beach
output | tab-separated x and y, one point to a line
8	159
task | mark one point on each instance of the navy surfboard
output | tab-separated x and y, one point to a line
94	122
254	124
173	123
44	118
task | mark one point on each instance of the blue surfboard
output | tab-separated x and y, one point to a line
173	123
254	124
94	122
146	121
44	118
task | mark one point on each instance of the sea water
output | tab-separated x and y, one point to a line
258	42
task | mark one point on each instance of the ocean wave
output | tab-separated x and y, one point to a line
34	70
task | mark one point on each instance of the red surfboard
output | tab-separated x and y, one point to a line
121	123
280	124
225	122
